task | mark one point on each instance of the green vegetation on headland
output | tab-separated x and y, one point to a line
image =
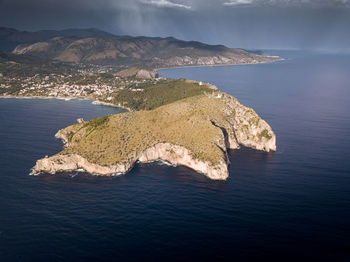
149	96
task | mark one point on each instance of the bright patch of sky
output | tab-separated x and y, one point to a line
165	3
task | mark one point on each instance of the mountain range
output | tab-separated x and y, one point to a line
95	47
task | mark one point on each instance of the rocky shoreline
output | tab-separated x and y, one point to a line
168	153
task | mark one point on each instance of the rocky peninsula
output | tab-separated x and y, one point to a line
196	132
178	121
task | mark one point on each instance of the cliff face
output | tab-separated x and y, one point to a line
244	126
194	132
172	154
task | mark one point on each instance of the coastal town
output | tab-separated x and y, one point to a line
93	85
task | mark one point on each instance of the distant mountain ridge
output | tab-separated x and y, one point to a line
95	47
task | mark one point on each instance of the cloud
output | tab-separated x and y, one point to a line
238	2
290	3
165	3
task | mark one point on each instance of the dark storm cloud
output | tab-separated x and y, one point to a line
243	23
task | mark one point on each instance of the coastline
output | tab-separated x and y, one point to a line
95	102
67	98
98	102
278	58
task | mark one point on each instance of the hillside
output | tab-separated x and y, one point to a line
138	51
195	132
10	37
152	94
22	66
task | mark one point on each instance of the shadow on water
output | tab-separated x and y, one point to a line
246	160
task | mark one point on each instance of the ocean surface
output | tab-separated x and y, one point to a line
288	205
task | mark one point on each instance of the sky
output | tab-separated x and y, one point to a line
250	24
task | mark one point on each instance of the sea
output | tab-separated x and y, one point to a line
293	204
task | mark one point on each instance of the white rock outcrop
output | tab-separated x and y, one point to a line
146	74
177	155
172	154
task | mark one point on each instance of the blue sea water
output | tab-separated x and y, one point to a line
288	205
